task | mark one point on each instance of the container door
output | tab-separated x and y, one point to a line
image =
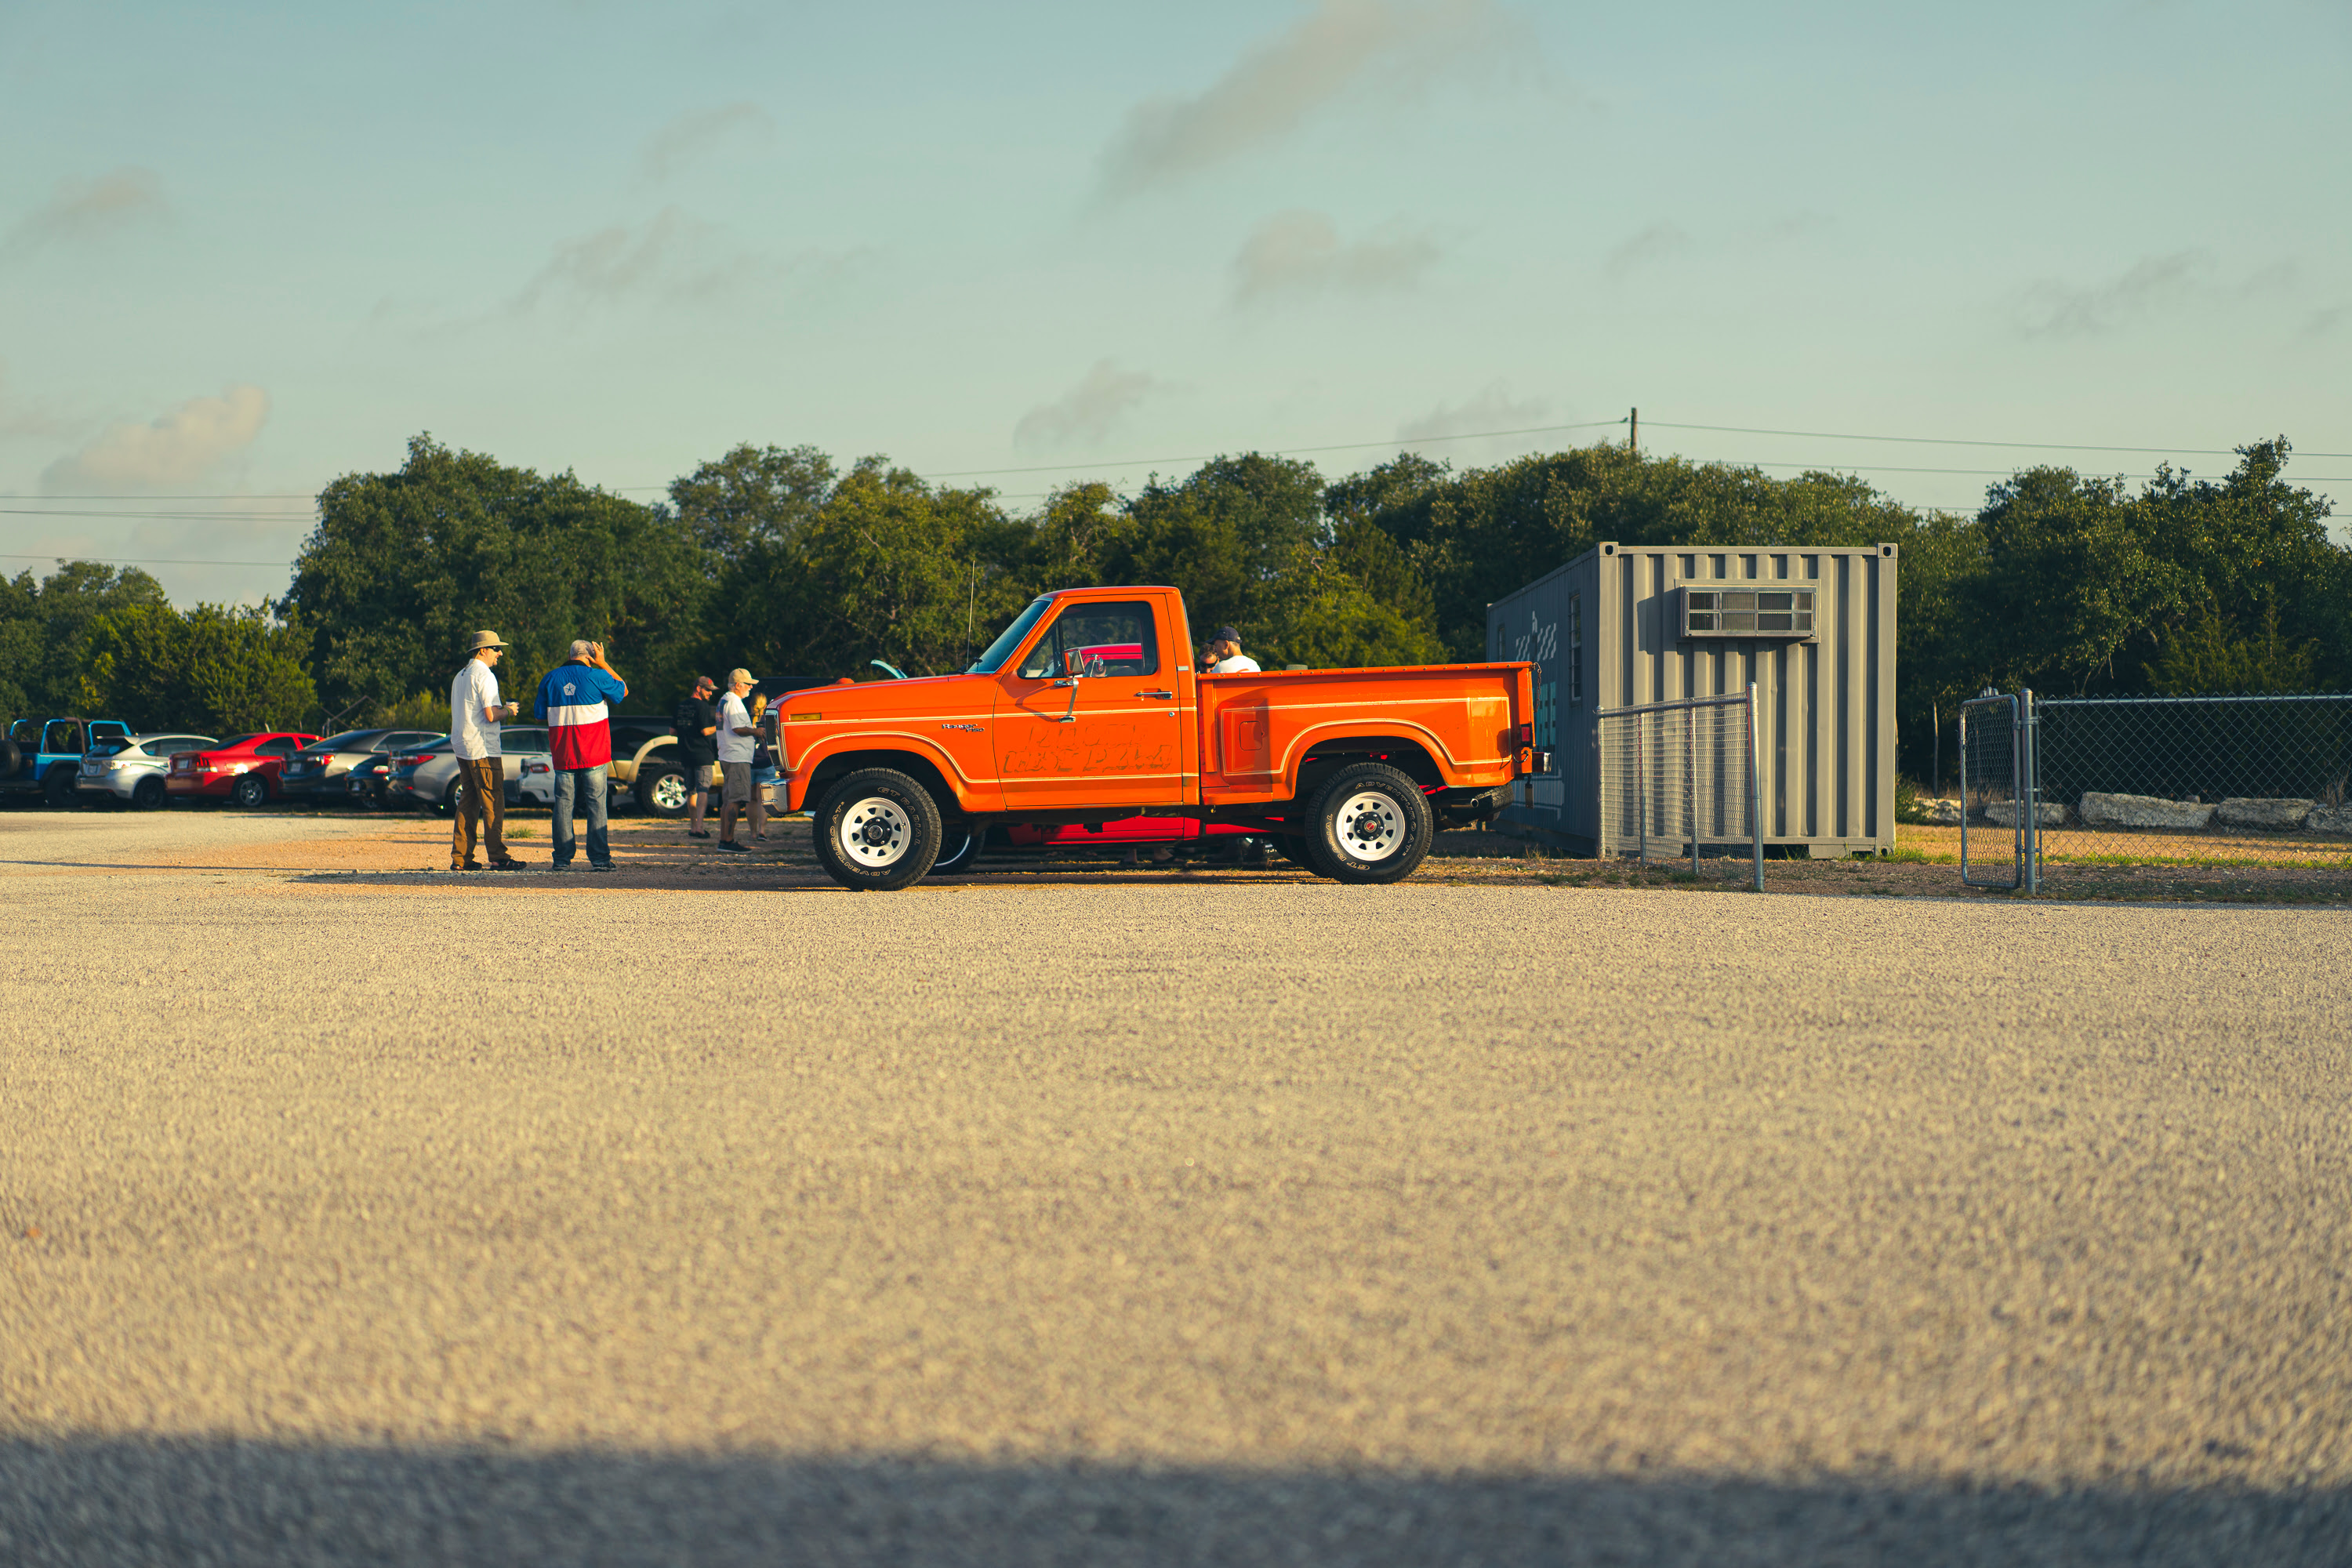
1109	735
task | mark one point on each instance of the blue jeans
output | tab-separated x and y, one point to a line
586	785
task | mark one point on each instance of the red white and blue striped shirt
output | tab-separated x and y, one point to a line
575	703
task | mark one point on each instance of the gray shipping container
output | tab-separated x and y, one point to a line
1620	625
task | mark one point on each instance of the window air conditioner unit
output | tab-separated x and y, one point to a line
1746	612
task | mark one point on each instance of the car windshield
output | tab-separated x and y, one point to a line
1010	638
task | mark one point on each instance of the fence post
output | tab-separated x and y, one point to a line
1641	788
1963	738
1755	788
1690	781
2029	874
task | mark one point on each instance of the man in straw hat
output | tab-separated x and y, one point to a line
475	714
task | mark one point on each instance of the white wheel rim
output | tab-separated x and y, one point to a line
1370	825
876	833
669	792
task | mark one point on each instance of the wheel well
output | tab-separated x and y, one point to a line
1325	758
914	766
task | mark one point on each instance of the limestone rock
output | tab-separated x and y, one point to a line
2004	813
2142	811
2330	819
2243	811
1941	813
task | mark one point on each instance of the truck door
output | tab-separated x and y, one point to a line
1108	735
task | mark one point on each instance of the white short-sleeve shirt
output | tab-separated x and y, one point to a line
474	689
1240	664
732	747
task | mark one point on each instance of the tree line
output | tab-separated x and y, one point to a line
782	561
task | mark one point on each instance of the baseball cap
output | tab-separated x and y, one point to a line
742	677
1227	633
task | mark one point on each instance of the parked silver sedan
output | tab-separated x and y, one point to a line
433	782
131	767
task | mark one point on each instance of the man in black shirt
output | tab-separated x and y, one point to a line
696	722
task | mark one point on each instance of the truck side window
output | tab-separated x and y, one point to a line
1115	638
64	737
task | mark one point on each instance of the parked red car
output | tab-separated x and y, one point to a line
242	769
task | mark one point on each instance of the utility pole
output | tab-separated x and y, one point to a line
1633	431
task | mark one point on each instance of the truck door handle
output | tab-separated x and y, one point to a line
1163	696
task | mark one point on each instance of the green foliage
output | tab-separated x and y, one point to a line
218	669
403	566
2210	653
44	626
1318	615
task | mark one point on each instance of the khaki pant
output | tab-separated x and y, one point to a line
485	801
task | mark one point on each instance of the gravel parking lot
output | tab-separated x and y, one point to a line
706	1215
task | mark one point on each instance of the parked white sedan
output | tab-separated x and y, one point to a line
130	768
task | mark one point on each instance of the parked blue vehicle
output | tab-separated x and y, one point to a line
43	756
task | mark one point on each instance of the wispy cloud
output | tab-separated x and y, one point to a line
1089	411
2319	323
2053	310
1267	94
1298	252
114	203
691	136
1492	409
177	448
1658	243
671	256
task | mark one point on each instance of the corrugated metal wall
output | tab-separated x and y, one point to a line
1827	701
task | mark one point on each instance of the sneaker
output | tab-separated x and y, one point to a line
509	865
559	865
599	864
702	833
469	865
728	844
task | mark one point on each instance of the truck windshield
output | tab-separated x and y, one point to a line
1010	638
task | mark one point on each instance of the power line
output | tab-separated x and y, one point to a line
1951	441
1275	451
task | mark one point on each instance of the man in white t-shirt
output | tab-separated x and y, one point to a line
1225	655
474	713
736	743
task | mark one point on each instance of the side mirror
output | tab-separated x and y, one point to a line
1073	662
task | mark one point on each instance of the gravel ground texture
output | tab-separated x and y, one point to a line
701	1212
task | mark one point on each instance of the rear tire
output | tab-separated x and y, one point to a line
662	793
57	787
148	794
1369	822
248	792
451	798
877	831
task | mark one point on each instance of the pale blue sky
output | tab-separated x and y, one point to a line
243	248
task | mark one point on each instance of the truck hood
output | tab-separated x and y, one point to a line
924	696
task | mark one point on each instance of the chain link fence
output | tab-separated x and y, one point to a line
1679	783
2243	786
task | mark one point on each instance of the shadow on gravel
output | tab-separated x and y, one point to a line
122	1503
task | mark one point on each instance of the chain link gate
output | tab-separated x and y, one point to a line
1682	780
1997	791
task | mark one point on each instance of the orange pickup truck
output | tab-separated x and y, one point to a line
1086	720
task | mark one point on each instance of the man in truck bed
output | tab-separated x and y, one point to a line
1351	771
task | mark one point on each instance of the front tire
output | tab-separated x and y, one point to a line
877	831
1369	824
452	798
150	795
248	792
